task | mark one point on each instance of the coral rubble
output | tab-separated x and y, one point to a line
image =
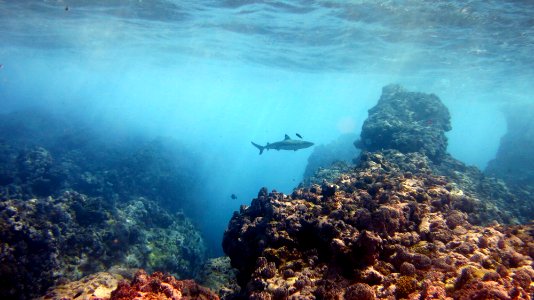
92	287
159	286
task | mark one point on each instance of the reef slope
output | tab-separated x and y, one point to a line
377	232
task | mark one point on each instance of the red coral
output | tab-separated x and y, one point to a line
159	286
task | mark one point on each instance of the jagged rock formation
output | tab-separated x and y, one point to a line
408	122
412	122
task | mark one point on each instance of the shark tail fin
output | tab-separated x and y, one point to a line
261	148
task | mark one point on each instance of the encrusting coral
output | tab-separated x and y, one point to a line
92	287
159	286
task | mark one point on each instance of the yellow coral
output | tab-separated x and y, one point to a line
421	248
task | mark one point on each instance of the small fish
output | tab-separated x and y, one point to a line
67	8
300	136
1	66
233	196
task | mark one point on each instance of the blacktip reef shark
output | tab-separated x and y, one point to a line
286	144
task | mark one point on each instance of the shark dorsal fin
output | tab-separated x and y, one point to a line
287	137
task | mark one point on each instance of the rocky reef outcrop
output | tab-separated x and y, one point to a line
75	201
412	122
378	232
408	122
514	162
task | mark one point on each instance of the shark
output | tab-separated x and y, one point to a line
286	144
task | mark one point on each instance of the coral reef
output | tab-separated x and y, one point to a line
93	287
514	203
218	275
46	240
42	154
112	286
335	170
408	122
160	286
416	123
378	232
75	200
340	150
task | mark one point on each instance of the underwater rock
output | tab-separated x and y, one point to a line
503	202
340	150
408	122
45	241
388	231
218	275
160	286
43	154
91	287
414	124
327	174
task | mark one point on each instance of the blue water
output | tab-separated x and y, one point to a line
219	74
